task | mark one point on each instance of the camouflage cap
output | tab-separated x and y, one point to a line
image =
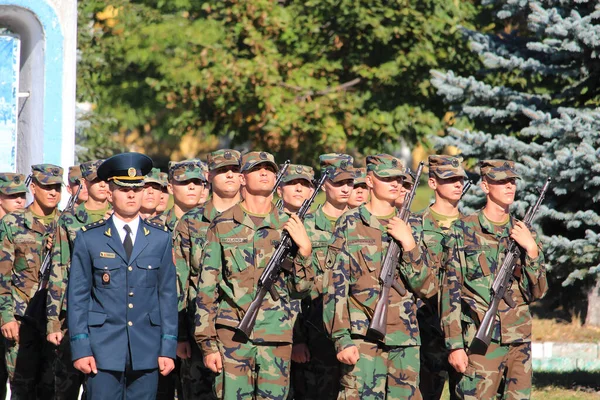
384	166
180	171
337	165
222	158
408	176
253	158
11	183
89	170
498	170
360	175
297	171
164	179
445	167
47	174
74	174
153	176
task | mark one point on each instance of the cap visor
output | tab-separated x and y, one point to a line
342	176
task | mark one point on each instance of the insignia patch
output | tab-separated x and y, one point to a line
105	278
506	165
343	164
17	179
107	255
108	233
55	171
394	163
263	155
131	172
146	231
298	169
455	163
227	155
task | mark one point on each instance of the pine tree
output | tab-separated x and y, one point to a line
536	101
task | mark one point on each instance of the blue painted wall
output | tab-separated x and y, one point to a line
9	71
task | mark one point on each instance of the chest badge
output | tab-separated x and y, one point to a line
105	278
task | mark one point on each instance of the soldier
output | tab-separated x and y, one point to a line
68	380
446	178
12	198
206	191
190	239
240	243
122	292
164	193
151	194
407	184
362	235
476	247
24	236
75	184
296	186
360	190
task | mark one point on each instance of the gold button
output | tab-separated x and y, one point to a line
130	305
130	268
149	266
130	294
130	323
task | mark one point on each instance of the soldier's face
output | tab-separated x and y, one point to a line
126	201
83	193
500	192
359	194
11	202
204	193
97	190
164	200
384	188
294	192
259	181
449	189
47	196
187	193
151	197
338	192
225	181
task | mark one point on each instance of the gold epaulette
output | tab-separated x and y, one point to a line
93	225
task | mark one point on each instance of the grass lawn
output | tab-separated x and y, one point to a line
553	330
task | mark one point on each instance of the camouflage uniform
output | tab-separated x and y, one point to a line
74	175
476	248
236	253
359	245
434	355
319	378
68	380
189	240
24	240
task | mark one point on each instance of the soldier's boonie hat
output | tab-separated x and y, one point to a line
222	158
297	171
180	171
11	183
360	176
337	165
445	167
89	169
385	165
498	170
153	176
74	174
126	169
47	174
254	158
164	180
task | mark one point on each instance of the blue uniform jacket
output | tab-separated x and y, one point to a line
115	305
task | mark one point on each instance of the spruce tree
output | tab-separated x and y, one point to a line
536	101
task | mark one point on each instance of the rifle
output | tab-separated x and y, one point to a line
279	205
282	170
73	199
466	188
502	283
273	269
378	325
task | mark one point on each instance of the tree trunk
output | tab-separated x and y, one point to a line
593	309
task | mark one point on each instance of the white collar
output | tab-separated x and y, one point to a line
120	224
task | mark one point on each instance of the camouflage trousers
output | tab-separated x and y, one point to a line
252	371
29	364
484	373
67	379
196	380
382	372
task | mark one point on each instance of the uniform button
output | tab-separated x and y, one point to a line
149	266
130	305
130	323
130	268
130	294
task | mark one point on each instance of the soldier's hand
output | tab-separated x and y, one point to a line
295	228
402	232
300	353
55	338
49	241
522	235
349	355
10	330
87	365
459	360
184	350
165	365
214	362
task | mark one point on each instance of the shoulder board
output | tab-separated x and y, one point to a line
93	225
156	225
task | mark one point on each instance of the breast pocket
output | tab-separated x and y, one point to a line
478	260
148	270
236	260
108	273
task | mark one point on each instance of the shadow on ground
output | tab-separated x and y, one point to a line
568	380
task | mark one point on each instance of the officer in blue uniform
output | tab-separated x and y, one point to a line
122	293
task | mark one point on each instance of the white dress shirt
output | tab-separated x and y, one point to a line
120	224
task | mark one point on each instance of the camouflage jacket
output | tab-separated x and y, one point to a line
23	250
69	223
166	218
475	253
235	255
356	254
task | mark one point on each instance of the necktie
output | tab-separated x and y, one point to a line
127	242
